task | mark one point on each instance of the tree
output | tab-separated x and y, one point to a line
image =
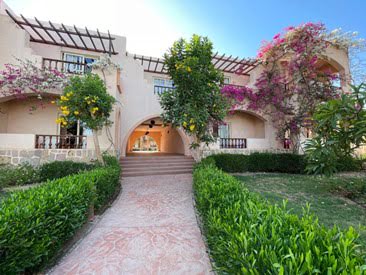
339	129
86	99
196	101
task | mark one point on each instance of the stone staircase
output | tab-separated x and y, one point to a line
133	166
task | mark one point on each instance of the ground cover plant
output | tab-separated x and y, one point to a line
248	235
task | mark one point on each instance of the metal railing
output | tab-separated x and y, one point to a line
66	66
161	89
233	143
60	142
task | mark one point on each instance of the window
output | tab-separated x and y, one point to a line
226	80
76	68
224	131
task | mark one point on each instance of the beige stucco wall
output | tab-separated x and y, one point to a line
17	119
244	125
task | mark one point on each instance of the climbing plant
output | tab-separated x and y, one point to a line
28	79
290	84
196	101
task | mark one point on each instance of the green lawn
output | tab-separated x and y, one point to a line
339	200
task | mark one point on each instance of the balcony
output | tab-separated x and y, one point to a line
60	142
66	66
233	143
161	89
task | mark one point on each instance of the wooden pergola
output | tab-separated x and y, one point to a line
64	36
227	64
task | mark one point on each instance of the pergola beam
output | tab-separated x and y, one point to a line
34	27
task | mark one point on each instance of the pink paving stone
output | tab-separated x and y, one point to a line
150	229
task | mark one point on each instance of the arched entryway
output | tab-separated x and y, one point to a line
152	137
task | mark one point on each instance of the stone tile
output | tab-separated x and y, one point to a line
150	229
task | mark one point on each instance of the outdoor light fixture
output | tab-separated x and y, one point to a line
152	122
147	132
150	126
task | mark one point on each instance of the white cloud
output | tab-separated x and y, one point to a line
146	28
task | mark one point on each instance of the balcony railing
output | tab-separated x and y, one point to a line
233	143
66	66
161	89
60	142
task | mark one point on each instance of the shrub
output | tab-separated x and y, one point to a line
35	223
260	162
349	164
247	235
18	175
58	169
107	183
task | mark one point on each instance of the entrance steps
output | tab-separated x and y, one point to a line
133	166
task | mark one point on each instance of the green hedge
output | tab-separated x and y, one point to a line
59	169
18	175
247	235
35	223
107	183
260	162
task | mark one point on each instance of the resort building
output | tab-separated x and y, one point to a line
34	136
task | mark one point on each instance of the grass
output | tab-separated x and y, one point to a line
339	200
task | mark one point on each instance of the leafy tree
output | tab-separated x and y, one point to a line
196	101
86	99
340	128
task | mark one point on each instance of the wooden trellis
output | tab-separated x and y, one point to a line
60	35
226	64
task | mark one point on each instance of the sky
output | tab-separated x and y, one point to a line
235	27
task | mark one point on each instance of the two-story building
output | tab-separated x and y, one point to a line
137	126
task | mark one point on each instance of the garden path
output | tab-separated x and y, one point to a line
151	228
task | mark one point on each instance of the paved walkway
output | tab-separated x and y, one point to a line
150	229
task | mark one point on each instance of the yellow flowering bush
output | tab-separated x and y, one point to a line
86	99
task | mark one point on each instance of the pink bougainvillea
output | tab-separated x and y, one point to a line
291	83
27	78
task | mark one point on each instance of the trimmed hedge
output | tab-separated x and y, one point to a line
18	175
107	183
59	169
248	235
36	223
260	162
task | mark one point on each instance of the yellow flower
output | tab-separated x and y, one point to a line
53	102
184	124
69	94
88	102
64	123
94	110
66	112
64	98
192	127
189	69
191	121
76	113
63	108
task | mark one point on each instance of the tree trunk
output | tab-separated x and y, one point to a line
97	147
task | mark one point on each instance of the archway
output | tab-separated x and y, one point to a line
154	135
